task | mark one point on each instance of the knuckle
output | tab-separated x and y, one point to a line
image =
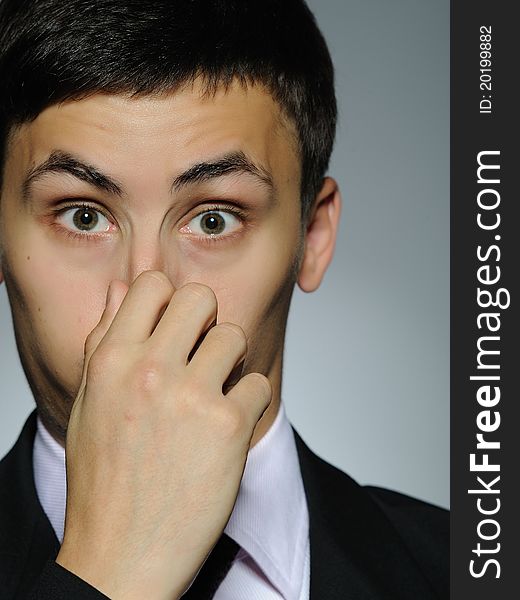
148	376
194	393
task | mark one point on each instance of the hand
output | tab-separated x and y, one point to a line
155	450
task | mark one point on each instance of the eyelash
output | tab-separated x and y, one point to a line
207	239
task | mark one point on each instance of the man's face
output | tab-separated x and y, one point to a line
107	187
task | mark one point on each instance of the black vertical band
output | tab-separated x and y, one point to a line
485	348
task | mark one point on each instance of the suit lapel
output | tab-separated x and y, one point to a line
355	551
27	539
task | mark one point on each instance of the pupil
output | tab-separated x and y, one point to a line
213	223
85	219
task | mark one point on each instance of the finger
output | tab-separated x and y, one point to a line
223	348
191	311
254	393
141	308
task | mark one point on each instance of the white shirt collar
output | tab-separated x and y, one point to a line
269	521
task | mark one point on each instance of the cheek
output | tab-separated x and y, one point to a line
251	290
54	310
66	310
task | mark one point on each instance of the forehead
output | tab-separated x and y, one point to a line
163	132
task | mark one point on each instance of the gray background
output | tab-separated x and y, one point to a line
367	358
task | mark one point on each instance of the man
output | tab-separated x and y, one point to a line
163	189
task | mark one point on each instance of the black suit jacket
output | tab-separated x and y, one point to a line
366	543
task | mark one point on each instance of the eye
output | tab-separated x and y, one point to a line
213	222
84	218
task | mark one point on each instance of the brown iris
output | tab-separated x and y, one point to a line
212	223
85	219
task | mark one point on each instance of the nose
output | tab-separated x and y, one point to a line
146	252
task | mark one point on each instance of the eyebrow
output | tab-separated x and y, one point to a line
64	162
233	162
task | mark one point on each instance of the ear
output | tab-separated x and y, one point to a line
320	236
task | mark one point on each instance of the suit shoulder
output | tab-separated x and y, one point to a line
408	511
423	527
405	541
